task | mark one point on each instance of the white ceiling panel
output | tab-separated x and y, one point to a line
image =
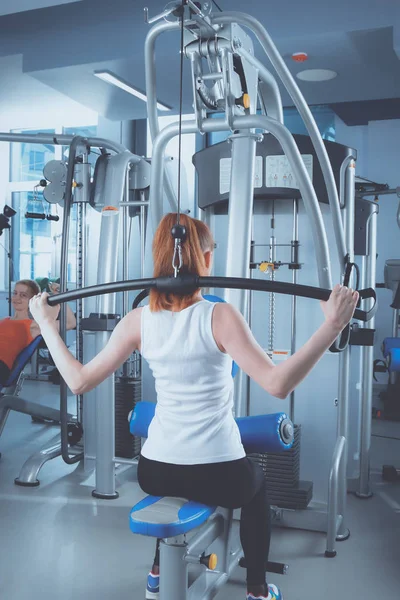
9	7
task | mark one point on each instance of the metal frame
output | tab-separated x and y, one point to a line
239	214
289	146
367	358
218	534
10	400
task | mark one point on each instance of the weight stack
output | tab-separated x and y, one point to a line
282	472
128	392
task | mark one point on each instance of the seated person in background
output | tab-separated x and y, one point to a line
17	332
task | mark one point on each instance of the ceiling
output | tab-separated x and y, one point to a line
63	44
9	7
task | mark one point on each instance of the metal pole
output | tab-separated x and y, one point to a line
294	258
59	140
333	497
105	392
10	269
272	258
150	75
395	322
113	194
344	357
395	191
364	490
240	215
80	282
395	332
78	143
125	256
142	239
248	379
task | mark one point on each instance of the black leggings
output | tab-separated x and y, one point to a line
235	484
4	372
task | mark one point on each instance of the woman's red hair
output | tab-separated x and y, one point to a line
198	241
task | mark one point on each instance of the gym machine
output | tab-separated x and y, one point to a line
225	81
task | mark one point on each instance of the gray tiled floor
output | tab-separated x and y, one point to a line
59	542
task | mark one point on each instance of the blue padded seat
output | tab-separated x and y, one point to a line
160	517
22	359
394	360
388	344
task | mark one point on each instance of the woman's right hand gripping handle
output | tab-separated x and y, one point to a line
340	307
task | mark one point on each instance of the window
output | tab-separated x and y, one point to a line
324	118
28	160
31	240
34	241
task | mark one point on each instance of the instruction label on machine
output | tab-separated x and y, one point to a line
278	355
279	173
225	167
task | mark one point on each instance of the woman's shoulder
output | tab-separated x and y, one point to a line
134	315
224	309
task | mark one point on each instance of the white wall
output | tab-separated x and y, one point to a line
42	108
378	145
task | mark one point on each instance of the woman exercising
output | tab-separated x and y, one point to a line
19	331
193	449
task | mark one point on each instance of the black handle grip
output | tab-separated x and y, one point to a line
31	215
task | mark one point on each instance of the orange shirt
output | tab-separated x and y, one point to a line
15	335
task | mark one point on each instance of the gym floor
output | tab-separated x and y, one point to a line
59	542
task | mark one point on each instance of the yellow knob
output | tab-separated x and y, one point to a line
212	563
74	184
246	100
264	266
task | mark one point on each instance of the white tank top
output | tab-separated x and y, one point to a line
193	422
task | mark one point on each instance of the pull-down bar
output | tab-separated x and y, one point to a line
187	284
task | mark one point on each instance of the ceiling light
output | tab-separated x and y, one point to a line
316	75
114	80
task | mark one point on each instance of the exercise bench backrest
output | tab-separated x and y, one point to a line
22	359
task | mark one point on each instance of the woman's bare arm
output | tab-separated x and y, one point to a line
124	340
232	333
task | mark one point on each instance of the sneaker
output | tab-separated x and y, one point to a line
274	594
153	587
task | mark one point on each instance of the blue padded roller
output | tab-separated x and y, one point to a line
394	360
266	433
388	344
212	298
261	433
141	418
23	357
167	517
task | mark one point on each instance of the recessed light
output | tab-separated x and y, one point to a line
316	75
114	80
